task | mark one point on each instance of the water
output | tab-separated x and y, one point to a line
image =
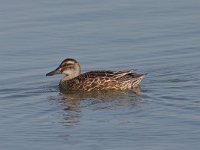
160	38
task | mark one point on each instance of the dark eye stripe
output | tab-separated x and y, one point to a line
67	65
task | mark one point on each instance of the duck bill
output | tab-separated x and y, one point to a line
56	71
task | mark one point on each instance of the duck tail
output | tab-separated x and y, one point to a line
136	79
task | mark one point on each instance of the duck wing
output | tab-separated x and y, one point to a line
108	73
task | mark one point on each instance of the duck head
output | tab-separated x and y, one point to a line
69	67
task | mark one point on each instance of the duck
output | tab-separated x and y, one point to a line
99	80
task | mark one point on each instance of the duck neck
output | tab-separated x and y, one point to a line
68	77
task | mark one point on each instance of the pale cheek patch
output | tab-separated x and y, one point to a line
67	72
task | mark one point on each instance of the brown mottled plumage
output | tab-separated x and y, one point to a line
94	80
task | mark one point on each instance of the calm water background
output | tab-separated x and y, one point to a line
161	38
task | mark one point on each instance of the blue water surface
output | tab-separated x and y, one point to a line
161	38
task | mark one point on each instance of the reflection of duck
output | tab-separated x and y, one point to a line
95	80
74	103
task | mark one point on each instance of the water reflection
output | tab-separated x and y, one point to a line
74	102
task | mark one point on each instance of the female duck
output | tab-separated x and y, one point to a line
74	80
